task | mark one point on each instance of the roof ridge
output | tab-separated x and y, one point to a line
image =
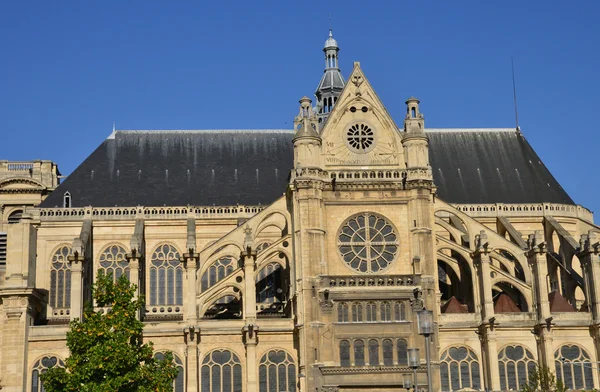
470	130
205	131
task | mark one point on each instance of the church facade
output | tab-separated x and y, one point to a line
297	260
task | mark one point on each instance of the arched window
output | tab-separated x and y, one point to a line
399	311
221	372
40	366
359	353
573	367
344	353
388	352
113	261
60	279
218	270
342	310
386	311
515	363
15	217
402	352
371	312
277	372
269	284
357	312
373	352
459	368
179	382
166	277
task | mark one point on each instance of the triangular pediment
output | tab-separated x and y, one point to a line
359	130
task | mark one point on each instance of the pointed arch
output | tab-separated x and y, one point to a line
277	371
166	276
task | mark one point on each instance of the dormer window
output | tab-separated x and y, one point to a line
67	200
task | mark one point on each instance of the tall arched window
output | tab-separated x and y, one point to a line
402	352
344	353
399	311
342	310
371	312
359	353
515	363
573	367
269	284
218	270
277	372
388	352
166	276
113	261
60	279
386	311
459	368
39	367
373	352
179	382
357	312
221	372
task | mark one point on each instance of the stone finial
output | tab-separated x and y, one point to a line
481	241
248	239
590	242
536	243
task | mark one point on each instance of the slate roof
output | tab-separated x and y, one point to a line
490	166
177	168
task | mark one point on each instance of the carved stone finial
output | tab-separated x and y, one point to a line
248	240
536	243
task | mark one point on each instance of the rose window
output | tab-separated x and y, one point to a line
368	243
360	137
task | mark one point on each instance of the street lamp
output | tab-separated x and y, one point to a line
414	361
407	381
425	321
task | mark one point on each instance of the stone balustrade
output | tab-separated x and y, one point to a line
524	210
371	281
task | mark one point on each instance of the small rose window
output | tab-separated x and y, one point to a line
360	137
367	243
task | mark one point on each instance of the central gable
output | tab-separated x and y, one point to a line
359	131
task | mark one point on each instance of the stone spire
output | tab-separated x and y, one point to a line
332	83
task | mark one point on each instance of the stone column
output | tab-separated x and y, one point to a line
134	271
250	332
76	261
191	336
481	258
589	255
190	263
536	257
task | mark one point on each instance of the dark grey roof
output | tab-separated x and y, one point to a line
156	168
177	168
332	80
490	166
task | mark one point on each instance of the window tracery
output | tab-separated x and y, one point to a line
221	372
459	368
386	311
357	312
344	353
277	372
373	352
359	353
60	279
399	311
342	310
179	382
166	276
515	364
262	246
367	243
40	367
388	352
113	261
269	284
371	309
573	367
402	352
218	270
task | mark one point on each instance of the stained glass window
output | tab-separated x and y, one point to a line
342	310
269	284
459	368
357	312
386	311
368	243
371	312
402	352
399	311
166	276
359	353
113	261
344	353
179	382
573	367
515	364
41	366
218	270
388	352
60	279
221	372
277	372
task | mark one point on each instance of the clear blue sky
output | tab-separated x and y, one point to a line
68	69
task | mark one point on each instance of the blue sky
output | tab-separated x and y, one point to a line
69	69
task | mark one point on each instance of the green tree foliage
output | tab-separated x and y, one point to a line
543	380
107	351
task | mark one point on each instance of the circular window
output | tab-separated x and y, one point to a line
360	137
367	243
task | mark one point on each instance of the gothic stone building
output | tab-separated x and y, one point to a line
279	260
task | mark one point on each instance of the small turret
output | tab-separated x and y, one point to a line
413	122
415	142
306	138
332	83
